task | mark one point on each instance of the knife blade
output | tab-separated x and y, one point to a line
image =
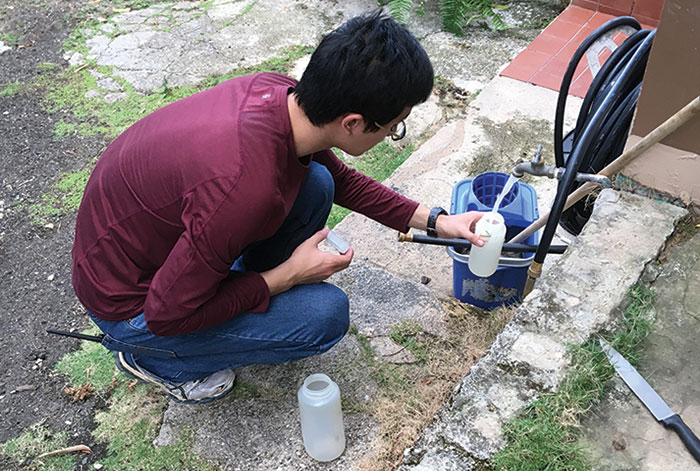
656	405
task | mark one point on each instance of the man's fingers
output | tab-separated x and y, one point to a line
320	236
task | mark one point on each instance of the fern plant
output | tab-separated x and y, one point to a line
455	14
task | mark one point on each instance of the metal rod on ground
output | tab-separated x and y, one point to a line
465	244
664	129
92	338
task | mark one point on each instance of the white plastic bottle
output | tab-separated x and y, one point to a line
483	261
321	418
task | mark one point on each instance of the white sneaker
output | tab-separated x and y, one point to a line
199	391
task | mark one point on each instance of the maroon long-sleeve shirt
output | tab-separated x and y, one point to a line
174	200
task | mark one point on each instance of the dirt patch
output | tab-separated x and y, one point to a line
511	142
35	262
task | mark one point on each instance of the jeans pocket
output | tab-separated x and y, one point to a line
138	323
140	350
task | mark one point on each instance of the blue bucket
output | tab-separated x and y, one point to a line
519	210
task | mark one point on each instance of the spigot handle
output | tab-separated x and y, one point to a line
537	159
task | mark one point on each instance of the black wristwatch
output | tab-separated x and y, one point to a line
432	220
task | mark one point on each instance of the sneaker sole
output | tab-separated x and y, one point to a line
134	373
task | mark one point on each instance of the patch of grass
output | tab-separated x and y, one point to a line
67	91
129	427
11	88
410	394
11	39
378	163
545	435
63	197
410	335
36	440
93	363
132	419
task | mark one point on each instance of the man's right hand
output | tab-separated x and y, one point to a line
307	264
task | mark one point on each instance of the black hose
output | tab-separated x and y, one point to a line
465	244
598	126
626	64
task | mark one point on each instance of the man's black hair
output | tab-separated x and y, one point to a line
370	65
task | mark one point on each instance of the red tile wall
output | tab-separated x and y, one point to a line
646	11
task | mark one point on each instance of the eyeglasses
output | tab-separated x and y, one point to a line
397	131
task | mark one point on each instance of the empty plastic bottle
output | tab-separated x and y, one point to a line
483	261
321	418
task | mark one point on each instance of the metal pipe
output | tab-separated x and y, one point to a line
538	170
92	338
465	244
601	180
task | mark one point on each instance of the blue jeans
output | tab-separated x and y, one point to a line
305	320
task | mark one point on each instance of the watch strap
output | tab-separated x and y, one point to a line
432	220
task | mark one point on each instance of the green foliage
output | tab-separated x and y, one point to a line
545	435
400	9
36	440
378	163
68	90
11	39
129	427
408	334
90	363
11	88
455	14
392	379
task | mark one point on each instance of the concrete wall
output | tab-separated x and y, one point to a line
672	79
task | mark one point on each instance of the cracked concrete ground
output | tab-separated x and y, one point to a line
620	432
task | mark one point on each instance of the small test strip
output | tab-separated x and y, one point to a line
337	242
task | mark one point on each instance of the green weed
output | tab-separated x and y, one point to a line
91	363
391	378
545	435
11	88
130	425
410	335
36	440
131	421
11	39
68	91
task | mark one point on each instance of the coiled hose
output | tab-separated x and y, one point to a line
603	122
608	142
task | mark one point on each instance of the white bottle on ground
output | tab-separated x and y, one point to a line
483	261
321	418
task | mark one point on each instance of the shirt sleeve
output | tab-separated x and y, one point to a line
194	289
358	192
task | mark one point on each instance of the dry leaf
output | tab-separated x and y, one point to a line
70	449
79	393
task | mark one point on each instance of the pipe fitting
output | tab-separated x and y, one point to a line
601	180
538	170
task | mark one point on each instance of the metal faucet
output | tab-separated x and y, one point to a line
539	169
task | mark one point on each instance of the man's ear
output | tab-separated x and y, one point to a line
352	123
